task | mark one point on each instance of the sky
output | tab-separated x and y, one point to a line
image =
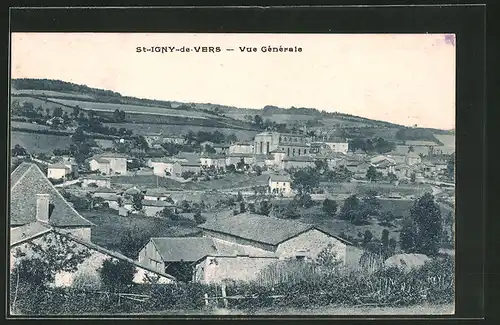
401	78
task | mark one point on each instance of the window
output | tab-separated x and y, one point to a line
305	151
293	151
299	152
288	149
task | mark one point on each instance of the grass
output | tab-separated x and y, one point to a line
110	107
144	128
110	227
29	126
48	93
33	142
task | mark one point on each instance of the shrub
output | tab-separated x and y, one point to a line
86	281
117	274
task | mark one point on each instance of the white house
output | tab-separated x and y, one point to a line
58	171
165	167
241	147
235	158
280	184
156	194
109	163
153	138
337	145
413	158
215	160
174	139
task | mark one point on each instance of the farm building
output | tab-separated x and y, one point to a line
98	180
221	148
251	242
35	199
337	145
413	158
152	207
280	184
58	171
174	139
241	147
298	162
235	158
166	167
216	160
38	233
194	167
109	163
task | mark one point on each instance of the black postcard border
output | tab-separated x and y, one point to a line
467	22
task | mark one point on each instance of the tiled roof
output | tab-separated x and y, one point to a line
156	203
28	231
58	166
257	228
188	249
25	185
299	158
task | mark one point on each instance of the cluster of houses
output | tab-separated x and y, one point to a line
235	247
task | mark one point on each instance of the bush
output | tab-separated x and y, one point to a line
86	281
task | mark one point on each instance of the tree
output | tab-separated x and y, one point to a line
330	207
387	218
304	200
450	167
198	218
76	112
265	208
258	170
56	253
239	198
407	237
354	210
385	239
392	245
258	120
251	207
242	207
305	180
368	236
372	204
426	215
79	136
413	177
137	201
241	164
19	151
132	240
372	174
117	274
57	112
47	111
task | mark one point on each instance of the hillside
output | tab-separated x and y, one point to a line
46	93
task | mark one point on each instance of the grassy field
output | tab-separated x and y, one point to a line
145	128
380	188
48	93
29	126
36	143
110	107
40	102
228	182
111	227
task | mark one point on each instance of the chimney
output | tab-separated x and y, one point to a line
42	207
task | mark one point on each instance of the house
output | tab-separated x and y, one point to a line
58	171
385	167
166	167
157	194
152	207
153	138
413	158
397	157
194	167
297	149
402	171
278	156
298	162
235	158
320	148
333	159
35	199
174	139
280	184
266	142
98	180
40	233
241	147
221	148
215	160
105	193
109	163
337	145
260	237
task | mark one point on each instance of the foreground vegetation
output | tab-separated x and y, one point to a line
432	284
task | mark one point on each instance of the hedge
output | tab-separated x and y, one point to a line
433	283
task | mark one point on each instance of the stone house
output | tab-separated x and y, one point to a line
280	184
35	199
215	160
298	162
43	235
241	147
109	163
58	171
100	181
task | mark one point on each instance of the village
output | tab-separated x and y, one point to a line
235	239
